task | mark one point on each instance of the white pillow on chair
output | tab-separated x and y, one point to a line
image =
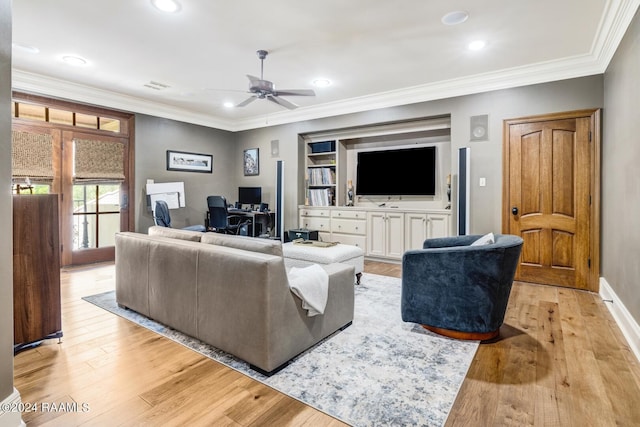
487	239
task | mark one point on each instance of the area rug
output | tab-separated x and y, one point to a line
380	371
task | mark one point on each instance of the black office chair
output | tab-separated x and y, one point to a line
220	220
162	218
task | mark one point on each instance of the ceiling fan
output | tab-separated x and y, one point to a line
264	89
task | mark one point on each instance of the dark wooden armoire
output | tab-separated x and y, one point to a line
36	270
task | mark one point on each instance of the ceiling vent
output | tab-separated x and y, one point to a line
156	85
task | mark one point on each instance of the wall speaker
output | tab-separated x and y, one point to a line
479	128
275	148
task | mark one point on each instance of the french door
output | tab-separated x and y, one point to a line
91	213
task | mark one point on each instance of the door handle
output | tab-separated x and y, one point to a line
514	210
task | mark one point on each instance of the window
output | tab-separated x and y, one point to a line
68	117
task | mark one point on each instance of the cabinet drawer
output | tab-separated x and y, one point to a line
348	226
348	214
313	223
315	212
346	239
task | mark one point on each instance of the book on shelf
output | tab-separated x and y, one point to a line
321	197
321	176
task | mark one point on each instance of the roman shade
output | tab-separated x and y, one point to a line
98	161
31	157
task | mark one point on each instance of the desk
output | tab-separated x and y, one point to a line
260	221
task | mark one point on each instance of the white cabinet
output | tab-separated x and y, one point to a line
381	232
316	219
349	226
385	234
421	226
437	225
415	229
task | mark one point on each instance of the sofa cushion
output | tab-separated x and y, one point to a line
266	246
174	233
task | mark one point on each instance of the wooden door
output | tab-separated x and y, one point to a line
551	193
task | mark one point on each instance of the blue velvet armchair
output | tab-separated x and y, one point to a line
459	290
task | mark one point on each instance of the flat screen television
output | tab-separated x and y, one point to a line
250	195
400	172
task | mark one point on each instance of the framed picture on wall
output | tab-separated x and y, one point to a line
189	162
251	162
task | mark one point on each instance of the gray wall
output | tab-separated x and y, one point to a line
153	137
620	178
486	157
6	249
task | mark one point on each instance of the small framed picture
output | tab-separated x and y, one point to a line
251	162
189	162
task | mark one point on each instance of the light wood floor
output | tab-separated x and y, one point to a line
560	361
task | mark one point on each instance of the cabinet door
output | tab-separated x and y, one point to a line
415	230
438	226
395	235
376	234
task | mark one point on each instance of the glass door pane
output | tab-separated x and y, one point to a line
96	215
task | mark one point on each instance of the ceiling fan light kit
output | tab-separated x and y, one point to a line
265	89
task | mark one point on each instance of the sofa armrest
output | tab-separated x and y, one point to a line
443	242
132	271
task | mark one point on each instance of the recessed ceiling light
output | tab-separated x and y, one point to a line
169	6
455	18
321	82
74	60
228	104
25	48
477	45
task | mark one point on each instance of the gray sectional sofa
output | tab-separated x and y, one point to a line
229	291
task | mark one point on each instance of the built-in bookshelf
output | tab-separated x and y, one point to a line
328	160
321	179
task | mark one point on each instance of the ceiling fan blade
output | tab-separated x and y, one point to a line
247	101
295	92
252	78
283	102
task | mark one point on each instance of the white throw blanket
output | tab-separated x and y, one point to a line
311	285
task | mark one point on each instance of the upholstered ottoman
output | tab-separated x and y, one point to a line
303	255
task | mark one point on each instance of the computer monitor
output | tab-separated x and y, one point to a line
249	195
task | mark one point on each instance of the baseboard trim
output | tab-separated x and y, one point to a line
627	324
11	418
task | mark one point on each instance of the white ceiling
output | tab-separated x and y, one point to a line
376	53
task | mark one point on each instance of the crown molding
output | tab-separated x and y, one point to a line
579	66
519	76
612	27
42	85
